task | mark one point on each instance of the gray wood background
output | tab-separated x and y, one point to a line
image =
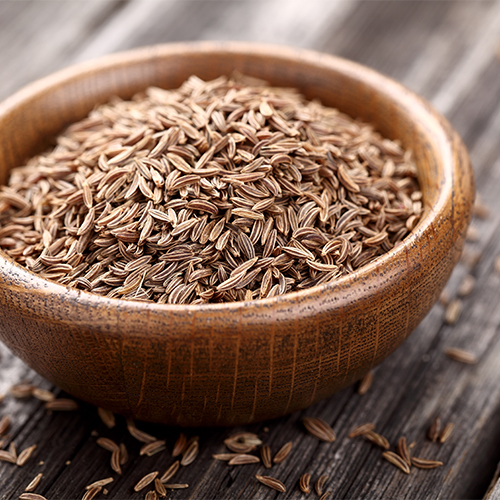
447	51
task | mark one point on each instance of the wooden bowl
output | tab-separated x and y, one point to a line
234	363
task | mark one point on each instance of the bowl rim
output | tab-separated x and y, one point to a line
443	135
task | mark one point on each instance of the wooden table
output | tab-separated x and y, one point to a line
447	51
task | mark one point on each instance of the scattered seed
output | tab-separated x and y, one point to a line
360	430
91	493
25	455
107	444
319	429
453	311
147	479
21	391
101	483
242	442
422	463
466	285
304	483
62	404
31	496
461	355
42	394
176	486
265	454
365	383
320	483
283	453
151	495
180	445
4	425
433	431
7	456
190	453
244	459
123	454
115	461
403	450
170	472
152	448
325	495
396	460
142	436
271	482
160	489
34	482
377	439
446	432
107	417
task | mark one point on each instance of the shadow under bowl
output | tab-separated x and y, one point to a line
234	363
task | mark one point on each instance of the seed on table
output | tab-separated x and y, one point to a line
365	383
147	479
473	233
123	454
190	453
101	482
265	454
396	460
244	459
446	432
304	483
377	439
283	453
115	461
319	429
453	311
107	417
361	429
160	488
21	391
31	496
466	285
461	355
151	495
7	456
25	455
433	431
4	424
107	444
34	482
403	450
170	472
142	436
150	449
422	463
272	482
243	442
320	484
176	486
91	493
225	457
62	404
180	445
43	395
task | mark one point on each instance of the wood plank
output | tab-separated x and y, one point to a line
428	383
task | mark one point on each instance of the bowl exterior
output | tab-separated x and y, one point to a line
227	364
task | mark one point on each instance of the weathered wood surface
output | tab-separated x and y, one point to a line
447	52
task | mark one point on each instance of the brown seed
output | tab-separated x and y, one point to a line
244	459
461	355
147	479
304	483
190	453
265	454
21	391
361	429
453	311
377	439
25	455
170	472
320	483
422	463
7	456
446	432
115	461
365	383
242	442
91	493
433	432
62	404
176	486
283	453
101	483
325	495
180	445
107	417
107	444
152	448
403	450
466	285
34	482
319	429
123	454
142	436
31	496
160	489
4	425
151	495
225	457
272	482
397	461
43	395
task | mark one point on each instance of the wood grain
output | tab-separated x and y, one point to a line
413	384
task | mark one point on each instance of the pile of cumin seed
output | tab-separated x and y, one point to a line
218	191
